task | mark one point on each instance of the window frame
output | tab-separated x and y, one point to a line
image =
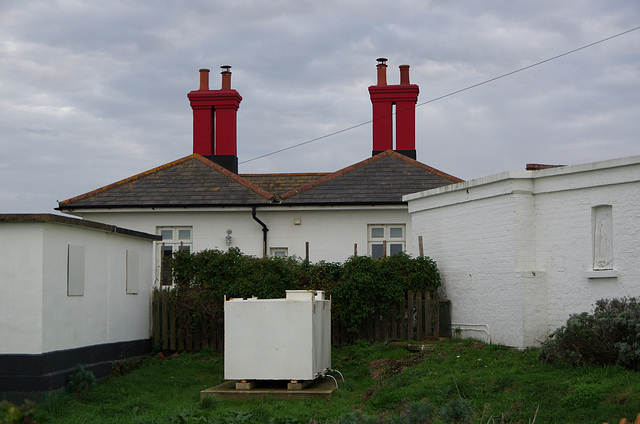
376	242
170	246
274	252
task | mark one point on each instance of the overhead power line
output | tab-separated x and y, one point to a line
453	93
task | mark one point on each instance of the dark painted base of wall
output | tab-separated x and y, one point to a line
25	374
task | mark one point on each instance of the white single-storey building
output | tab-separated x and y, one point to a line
73	292
520	251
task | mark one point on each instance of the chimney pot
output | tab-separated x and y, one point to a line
404	75
382	70
226	77
204	79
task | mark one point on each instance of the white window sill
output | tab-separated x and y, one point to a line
605	273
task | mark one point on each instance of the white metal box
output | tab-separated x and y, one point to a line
277	339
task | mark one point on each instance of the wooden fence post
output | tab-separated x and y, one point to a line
419	317
173	328
410	315
155	317
165	320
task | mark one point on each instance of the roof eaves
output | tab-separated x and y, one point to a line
162	205
350	203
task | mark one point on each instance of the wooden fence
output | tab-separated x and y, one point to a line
419	317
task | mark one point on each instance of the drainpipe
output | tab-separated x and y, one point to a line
264	231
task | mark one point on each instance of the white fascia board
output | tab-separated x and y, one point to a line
613	171
506	183
281	208
82	212
590	175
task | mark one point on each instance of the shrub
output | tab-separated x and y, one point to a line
81	382
586	395
360	288
457	411
417	412
12	413
608	336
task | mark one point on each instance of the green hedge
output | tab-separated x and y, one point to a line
357	287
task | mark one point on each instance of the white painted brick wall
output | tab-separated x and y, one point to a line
514	248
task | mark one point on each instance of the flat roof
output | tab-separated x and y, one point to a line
59	219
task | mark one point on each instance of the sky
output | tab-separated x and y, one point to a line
92	92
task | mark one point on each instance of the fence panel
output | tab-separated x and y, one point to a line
417	317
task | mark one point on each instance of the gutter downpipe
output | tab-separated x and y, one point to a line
264	231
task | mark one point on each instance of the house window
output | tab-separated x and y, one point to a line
174	239
602	221
392	234
279	252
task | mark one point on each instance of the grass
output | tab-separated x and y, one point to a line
496	383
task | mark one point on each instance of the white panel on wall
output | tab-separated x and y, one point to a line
602	237
133	272
75	270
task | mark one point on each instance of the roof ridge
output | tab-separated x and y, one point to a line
297	174
426	167
237	178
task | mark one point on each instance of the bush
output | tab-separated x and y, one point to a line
417	412
12	413
81	382
608	336
360	288
586	395
457	411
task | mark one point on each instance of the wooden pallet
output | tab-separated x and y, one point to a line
291	385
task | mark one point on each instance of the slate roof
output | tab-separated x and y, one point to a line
195	181
282	183
381	179
190	181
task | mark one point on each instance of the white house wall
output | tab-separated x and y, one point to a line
105	313
565	239
21	286
515	249
472	241
37	315
330	231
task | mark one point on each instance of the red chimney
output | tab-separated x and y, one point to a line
404	97
214	120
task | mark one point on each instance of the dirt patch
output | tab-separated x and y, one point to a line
383	368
